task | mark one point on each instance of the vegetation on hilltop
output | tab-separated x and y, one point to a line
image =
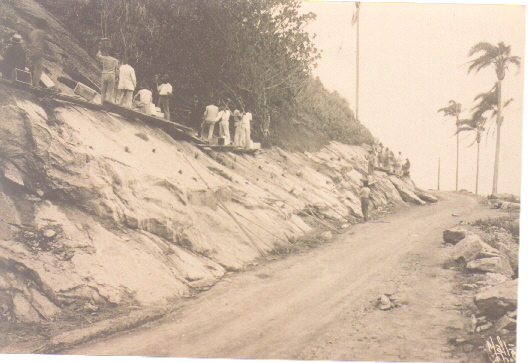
252	55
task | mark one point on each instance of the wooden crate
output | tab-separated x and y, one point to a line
85	92
23	76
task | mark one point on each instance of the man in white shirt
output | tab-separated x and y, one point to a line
246	129
210	118
237	115
127	84
165	91
144	100
224	116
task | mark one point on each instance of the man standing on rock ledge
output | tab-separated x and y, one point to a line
127	84
110	68
364	194
37	49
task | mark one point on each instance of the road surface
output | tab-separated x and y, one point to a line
321	304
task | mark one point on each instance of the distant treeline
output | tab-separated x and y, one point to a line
248	54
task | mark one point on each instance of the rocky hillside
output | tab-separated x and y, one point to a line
98	209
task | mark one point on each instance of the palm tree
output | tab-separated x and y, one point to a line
453	110
499	57
475	123
487	104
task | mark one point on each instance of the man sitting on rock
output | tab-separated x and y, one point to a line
143	99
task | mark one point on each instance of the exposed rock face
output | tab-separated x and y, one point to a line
407	194
454	235
471	248
106	225
498	300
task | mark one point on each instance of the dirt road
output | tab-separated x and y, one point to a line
321	304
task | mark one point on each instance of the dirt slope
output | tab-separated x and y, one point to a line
297	308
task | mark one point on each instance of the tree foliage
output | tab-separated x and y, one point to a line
497	56
252	55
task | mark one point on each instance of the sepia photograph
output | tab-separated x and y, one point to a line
309	180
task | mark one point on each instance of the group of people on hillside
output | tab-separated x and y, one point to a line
382	158
127	84
16	56
221	115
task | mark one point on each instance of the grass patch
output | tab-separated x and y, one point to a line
509	223
297	244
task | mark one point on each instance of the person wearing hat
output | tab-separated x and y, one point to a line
165	91
14	57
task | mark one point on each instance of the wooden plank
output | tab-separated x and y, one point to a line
228	148
176	131
152	119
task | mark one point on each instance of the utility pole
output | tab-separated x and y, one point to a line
357	60
439	173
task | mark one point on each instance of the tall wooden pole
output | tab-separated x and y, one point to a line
478	162
438	173
357	60
458	146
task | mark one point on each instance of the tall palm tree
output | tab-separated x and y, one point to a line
486	107
477	124
453	110
497	56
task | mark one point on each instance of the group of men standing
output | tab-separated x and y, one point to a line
221	115
127	84
382	158
17	57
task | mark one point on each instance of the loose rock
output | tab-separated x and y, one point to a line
455	235
498	265
484	327
493	279
385	302
497	300
506	323
472	247
326	235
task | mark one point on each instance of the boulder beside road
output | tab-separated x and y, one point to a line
497	300
454	235
471	248
498	265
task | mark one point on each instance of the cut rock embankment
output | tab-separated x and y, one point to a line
102	210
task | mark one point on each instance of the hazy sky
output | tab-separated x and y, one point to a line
413	60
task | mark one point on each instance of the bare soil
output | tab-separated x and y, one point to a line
323	304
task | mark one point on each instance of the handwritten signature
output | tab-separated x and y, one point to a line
498	351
